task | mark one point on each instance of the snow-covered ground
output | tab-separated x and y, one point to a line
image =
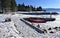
18	27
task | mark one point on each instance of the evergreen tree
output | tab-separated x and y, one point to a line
13	5
27	8
39	8
23	7
19	7
8	5
31	7
5	5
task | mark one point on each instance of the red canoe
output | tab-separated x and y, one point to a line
35	20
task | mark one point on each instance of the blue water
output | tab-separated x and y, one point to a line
53	10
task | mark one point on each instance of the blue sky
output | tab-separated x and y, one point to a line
43	3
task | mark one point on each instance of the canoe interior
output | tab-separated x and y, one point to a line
44	19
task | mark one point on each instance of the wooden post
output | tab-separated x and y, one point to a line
50	15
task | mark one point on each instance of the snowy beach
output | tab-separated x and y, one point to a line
18	27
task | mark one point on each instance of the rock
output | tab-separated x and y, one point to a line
7	19
51	32
44	30
55	28
49	29
38	26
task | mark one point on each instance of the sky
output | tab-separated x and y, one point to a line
43	3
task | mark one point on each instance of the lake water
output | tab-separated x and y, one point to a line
53	10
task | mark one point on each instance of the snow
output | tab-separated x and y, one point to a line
18	28
7	30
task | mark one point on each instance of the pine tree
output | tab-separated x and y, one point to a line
8	5
39	8
19	7
5	3
13	5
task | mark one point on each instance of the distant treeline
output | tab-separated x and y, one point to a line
23	7
11	6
